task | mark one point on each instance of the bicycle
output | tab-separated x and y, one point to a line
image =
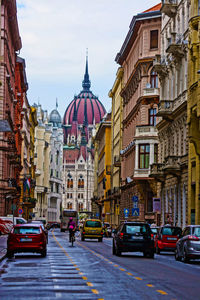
72	238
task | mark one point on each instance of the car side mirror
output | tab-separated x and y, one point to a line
114	231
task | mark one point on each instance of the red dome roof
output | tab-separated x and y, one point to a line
84	109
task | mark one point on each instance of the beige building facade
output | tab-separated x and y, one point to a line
172	169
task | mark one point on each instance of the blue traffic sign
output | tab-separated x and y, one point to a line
20	211
135	198
97	214
126	212
135	212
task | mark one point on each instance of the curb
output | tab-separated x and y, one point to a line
2	255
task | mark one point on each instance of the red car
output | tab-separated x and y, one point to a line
27	238
166	238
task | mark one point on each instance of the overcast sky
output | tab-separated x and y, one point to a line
55	35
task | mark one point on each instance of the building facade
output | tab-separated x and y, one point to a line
140	101
10	141
116	146
42	158
80	119
193	112
103	148
56	167
172	169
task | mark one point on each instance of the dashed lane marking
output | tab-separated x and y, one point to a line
150	285
89	284
84	278
161	292
121	269
138	278
128	273
95	291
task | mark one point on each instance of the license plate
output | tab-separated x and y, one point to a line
137	237
25	240
172	239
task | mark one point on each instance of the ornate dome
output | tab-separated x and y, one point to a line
55	118
85	108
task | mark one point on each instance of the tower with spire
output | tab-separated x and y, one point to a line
79	122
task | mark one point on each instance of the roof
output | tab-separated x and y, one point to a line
154	8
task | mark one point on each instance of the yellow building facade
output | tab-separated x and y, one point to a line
193	111
116	146
103	149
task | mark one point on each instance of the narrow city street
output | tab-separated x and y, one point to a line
90	271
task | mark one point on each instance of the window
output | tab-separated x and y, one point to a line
154	80
78	196
51	187
57	188
144	151
153	39
69	205
80	206
152	116
155	153
81	182
69	183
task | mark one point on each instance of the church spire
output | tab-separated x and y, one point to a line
86	81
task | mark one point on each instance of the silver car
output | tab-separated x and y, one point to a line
188	246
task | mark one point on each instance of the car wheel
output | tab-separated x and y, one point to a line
82	239
157	250
113	249
44	253
10	254
185	257
177	257
100	239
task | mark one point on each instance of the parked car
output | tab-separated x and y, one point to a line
166	238
154	231
5	226
41	224
188	246
15	220
133	237
92	229
27	238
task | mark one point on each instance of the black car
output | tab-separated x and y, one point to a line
188	246
133	237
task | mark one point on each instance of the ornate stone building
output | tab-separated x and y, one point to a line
10	115
140	99
172	169
194	114
80	119
56	167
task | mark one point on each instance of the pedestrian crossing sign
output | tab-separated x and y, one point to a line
135	212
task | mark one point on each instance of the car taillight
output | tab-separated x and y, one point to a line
121	235
83	232
193	238
152	236
101	232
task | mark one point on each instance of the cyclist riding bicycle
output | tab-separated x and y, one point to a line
71	226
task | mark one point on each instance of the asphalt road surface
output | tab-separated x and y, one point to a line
90	271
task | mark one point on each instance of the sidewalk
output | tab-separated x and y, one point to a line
3	246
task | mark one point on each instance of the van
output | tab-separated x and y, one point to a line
17	220
92	229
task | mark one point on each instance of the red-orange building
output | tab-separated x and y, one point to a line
9	109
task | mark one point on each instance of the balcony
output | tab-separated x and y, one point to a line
117	161
145	131
195	22
142	173
159	65
29	202
157	172
169	7
172	165
175	45
37	172
151	92
165	108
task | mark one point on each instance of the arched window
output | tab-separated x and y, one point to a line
69	181
80	182
69	205
154	80
80	206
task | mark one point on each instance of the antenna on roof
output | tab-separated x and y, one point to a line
56	103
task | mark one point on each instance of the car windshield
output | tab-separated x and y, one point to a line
154	230
171	231
196	231
27	230
93	224
132	229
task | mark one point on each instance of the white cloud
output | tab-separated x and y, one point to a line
55	35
